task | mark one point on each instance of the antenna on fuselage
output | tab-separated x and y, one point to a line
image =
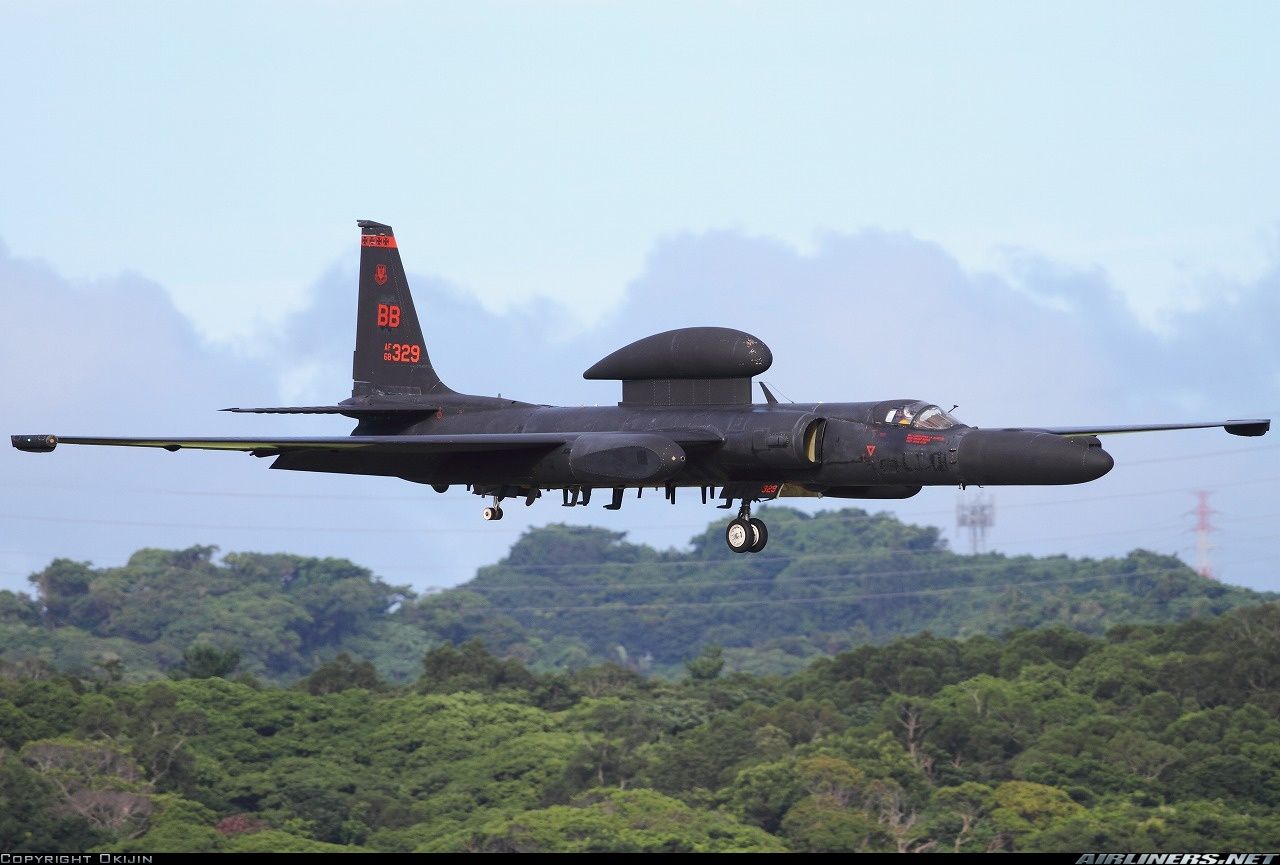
768	395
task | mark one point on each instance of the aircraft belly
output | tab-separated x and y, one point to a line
350	463
504	467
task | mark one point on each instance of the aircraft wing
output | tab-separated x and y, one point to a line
1254	427
391	444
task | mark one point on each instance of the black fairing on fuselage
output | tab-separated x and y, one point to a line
814	445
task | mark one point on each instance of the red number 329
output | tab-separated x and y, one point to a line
401	353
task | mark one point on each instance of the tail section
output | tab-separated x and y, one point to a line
391	355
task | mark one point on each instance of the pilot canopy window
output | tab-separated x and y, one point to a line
919	415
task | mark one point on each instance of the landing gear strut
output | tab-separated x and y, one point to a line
746	534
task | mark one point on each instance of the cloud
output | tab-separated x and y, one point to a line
116	347
878	314
866	316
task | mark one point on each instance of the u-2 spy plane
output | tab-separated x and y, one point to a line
686	419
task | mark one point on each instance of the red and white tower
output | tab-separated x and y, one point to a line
1204	528
976	516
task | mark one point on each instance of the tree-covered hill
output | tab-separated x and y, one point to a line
566	597
1149	738
281	613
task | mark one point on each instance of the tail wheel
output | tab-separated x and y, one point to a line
492	513
761	533
739	535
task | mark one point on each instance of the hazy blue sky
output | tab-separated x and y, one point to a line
1073	210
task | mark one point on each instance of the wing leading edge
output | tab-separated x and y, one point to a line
393	444
1252	427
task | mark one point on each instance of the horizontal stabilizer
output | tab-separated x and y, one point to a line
1254	427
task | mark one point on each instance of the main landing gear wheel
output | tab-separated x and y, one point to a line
740	536
746	534
492	513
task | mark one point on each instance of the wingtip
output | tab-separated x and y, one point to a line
36	444
1248	427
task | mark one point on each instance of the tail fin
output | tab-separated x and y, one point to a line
391	355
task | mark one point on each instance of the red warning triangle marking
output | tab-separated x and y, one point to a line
871	450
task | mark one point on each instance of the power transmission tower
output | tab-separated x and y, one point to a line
1203	529
977	516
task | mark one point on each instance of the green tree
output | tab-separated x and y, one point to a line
447	669
613	821
817	825
764	793
343	673
1022	808
966	809
707	665
31	817
202	661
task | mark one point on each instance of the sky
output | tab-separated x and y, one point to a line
1047	214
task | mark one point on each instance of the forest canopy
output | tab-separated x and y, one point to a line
1153	737
857	688
566	597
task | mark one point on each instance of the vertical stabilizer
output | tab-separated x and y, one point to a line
390	355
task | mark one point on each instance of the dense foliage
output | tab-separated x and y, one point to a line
567	597
275	616
1151	737
275	702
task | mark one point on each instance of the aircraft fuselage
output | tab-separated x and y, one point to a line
836	449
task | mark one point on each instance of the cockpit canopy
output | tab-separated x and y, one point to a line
917	415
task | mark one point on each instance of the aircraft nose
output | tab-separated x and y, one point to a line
1030	457
1097	462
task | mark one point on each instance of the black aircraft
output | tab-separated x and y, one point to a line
686	420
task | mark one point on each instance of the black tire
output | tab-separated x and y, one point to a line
739	535
491	513
499	515
761	535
